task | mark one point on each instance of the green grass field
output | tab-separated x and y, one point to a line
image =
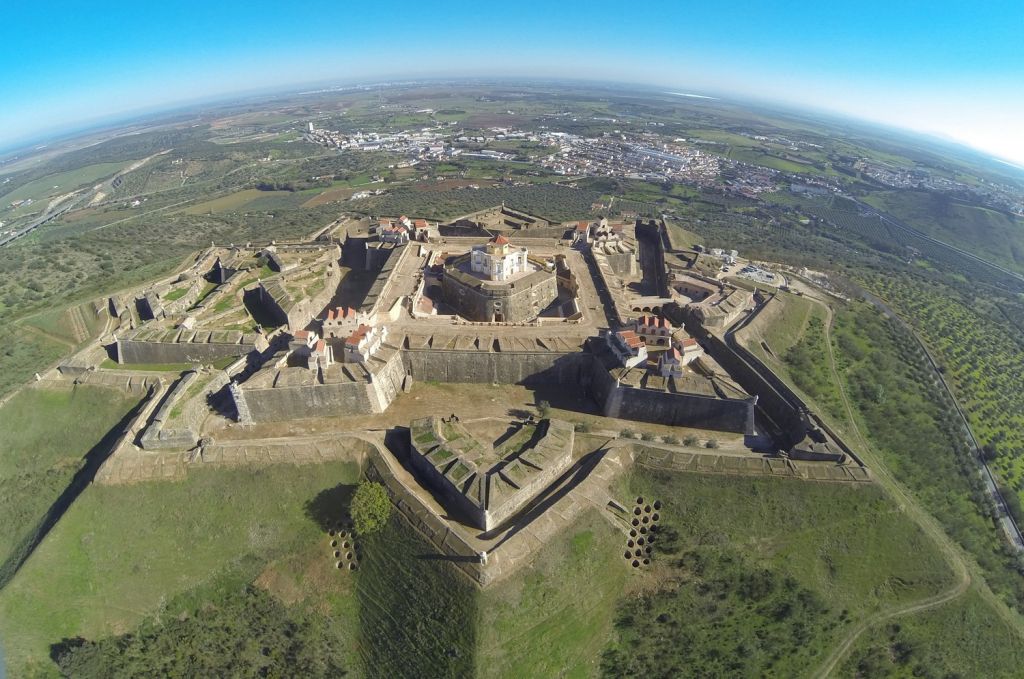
760	576
793	329
553	618
416	613
44	435
961	639
124	553
755	157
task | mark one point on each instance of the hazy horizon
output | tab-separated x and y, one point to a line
941	69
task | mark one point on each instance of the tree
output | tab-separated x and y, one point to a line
544	408
370	508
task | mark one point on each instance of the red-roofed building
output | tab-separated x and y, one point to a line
582	233
629	347
655	330
687	346
364	342
322	354
341	321
396	233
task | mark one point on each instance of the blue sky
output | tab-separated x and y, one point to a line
955	69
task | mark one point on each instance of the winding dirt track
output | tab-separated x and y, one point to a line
923	519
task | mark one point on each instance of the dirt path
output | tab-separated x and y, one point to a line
925	520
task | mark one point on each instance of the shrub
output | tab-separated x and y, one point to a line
690	440
543	408
370	508
711	443
647	436
627	433
671	439
582	427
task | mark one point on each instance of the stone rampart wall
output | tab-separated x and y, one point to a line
491	367
321	400
132	352
386	383
383	283
675	409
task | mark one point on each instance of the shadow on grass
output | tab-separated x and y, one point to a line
93	460
329	509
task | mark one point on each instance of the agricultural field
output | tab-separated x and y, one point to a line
125	555
41	190
556	203
233	202
997	236
982	353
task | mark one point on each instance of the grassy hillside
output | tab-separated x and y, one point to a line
416	612
759	576
553	618
996	236
44	436
789	336
122	554
960	639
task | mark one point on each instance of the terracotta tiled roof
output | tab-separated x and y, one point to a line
631	338
357	335
500	240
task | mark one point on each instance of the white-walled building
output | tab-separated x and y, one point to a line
654	330
364	343
497	260
688	347
627	346
340	322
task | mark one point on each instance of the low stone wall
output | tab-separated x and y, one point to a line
129	382
158	437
